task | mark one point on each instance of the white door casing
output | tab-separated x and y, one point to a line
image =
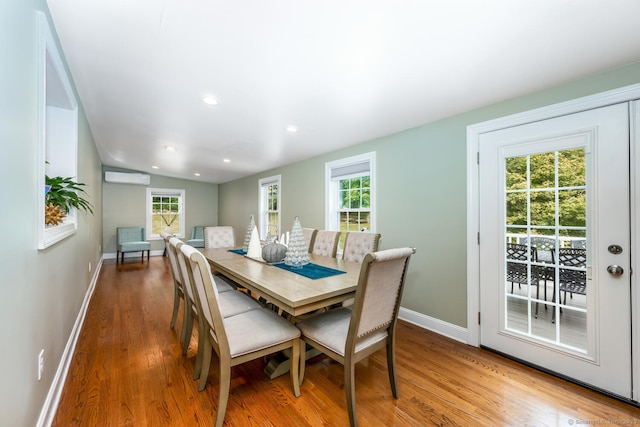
624	94
604	360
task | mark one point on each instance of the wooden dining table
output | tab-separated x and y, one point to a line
295	294
292	292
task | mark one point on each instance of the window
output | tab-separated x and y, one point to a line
350	192
165	208
269	194
57	132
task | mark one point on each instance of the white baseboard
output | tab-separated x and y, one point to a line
113	255
450	330
48	411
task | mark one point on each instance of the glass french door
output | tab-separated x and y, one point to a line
555	245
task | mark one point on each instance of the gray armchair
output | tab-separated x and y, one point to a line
131	239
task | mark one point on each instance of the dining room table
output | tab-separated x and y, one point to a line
285	287
331	281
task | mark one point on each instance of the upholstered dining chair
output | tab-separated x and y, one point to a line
309	237
326	243
221	236
231	302
229	337
197	237
350	334
131	239
178	289
180	282
358	244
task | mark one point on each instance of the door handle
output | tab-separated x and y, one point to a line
615	270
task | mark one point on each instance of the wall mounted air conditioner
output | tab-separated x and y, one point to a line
127	178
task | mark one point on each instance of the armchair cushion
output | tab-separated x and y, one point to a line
197	237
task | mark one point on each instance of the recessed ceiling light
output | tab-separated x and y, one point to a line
196	174
292	129
210	100
226	160
169	148
155	167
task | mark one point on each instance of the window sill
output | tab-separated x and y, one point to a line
53	234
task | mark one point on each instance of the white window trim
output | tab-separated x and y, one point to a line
57	132
331	188
164	192
263	183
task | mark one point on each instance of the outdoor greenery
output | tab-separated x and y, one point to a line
165	211
534	182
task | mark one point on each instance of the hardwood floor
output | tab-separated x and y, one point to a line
128	370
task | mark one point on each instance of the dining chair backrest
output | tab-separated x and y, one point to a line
203	286
177	245
326	243
221	236
572	257
379	293
358	244
172	247
520	252
309	237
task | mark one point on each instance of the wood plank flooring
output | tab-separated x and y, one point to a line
128	370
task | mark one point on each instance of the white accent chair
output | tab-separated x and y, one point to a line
350	334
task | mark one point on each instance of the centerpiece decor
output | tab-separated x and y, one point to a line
274	252
247	236
297	253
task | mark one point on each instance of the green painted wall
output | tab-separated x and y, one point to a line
421	194
43	290
125	205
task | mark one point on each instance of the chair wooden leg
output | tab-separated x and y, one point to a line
223	395
202	343
303	358
187	329
176	306
206	362
350	389
391	367
294	367
117	256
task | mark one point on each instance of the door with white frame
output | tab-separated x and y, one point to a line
555	253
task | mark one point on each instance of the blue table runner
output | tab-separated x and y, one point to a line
311	271
238	251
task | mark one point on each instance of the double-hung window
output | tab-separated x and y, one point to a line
350	192
269	193
165	209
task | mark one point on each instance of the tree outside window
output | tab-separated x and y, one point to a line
165	209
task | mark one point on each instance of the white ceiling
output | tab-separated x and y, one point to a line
343	71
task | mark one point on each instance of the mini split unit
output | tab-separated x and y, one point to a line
127	178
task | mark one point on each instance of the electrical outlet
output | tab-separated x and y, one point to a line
40	364
89	266
99	249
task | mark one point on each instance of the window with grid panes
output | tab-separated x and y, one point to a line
270	206
350	195
165	209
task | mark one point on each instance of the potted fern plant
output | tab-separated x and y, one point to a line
62	194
